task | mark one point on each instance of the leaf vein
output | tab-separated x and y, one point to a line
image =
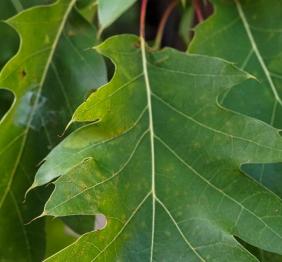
215	187
211	128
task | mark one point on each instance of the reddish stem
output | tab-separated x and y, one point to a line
163	22
198	10
143	18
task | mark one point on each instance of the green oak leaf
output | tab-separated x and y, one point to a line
162	162
109	11
50	75
249	34
10	8
242	32
9	47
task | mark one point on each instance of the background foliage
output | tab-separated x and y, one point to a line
180	152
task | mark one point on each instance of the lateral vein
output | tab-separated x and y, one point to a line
256	51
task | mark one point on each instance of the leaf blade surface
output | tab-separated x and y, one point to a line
200	199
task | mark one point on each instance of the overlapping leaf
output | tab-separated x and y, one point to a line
109	11
248	33
162	163
9	46
49	76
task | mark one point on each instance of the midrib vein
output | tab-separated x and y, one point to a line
41	83
152	135
256	50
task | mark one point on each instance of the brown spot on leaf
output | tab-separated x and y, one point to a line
137	44
23	73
